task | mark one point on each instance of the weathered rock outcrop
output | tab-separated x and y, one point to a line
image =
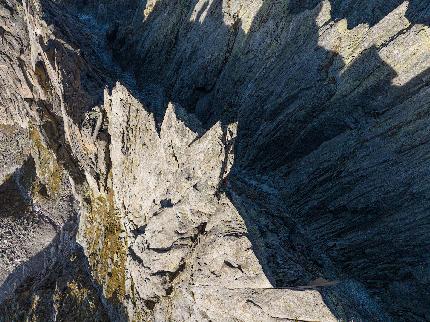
285	180
331	100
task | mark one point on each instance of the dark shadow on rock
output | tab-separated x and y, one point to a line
316	104
155	60
372	11
13	201
368	12
32	268
55	282
296	108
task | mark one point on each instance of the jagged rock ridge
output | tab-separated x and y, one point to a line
285	181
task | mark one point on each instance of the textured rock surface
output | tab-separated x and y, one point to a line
285	180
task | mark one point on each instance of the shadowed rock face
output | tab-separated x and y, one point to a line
286	180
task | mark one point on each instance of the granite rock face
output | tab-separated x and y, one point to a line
240	160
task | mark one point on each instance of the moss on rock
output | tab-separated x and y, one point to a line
107	249
47	167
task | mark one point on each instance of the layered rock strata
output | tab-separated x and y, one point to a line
285	180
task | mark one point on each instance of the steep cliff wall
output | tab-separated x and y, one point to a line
331	100
286	180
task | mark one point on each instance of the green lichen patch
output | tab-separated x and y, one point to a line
106	247
42	77
79	303
48	169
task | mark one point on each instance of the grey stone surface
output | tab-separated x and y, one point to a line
243	160
324	93
14	149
